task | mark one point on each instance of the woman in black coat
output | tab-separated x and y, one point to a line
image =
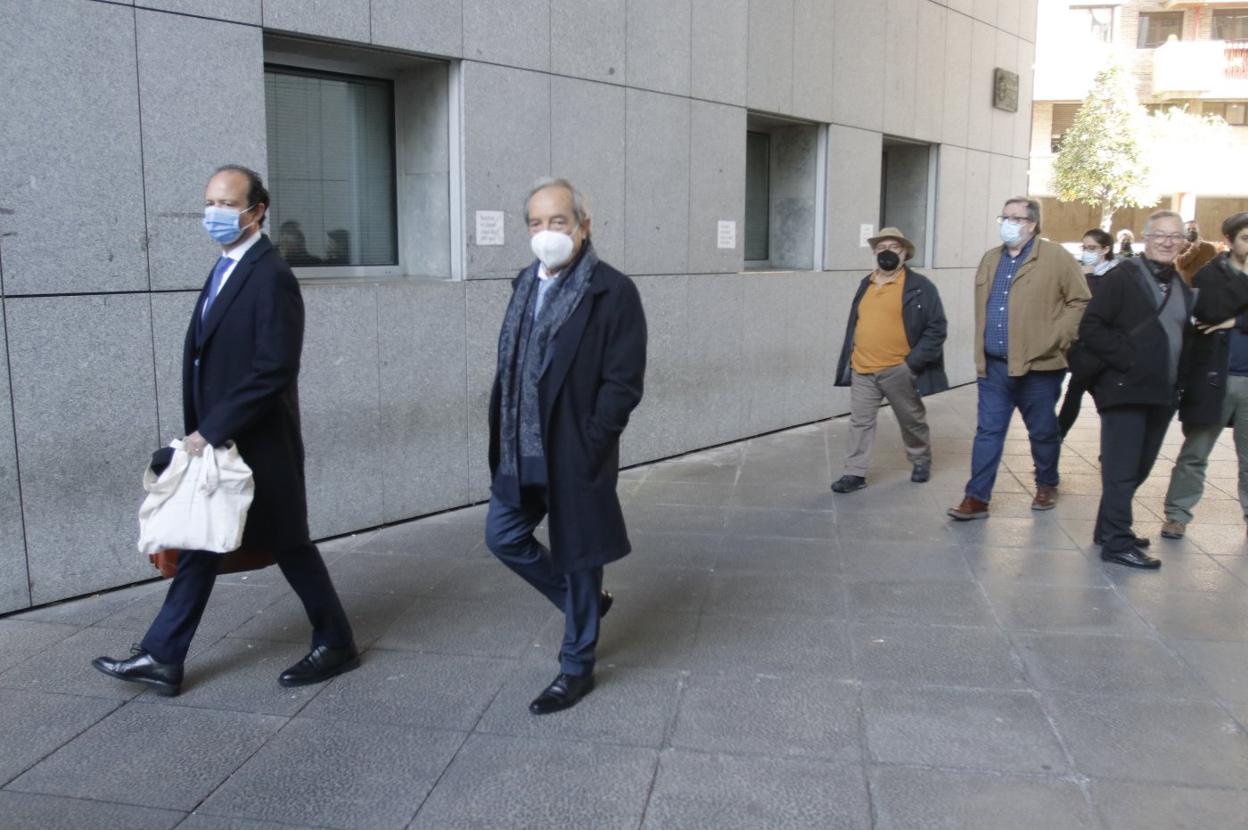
1097	259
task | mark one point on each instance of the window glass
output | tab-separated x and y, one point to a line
1157	27
1230	24
1094	22
331	168
757	195
1063	120
1235	114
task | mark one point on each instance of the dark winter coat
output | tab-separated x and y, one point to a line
1222	293
240	382
1135	371
591	385
926	328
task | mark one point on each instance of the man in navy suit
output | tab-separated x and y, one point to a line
240	383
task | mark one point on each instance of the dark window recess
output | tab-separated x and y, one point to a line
1157	27
757	196
1063	120
1230	24
331	168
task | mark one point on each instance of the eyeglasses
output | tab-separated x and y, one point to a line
1172	238
1013	220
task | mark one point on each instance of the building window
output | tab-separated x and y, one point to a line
1158	27
1063	120
1096	23
1234	113
331	168
1230	24
757	195
361	146
907	193
782	203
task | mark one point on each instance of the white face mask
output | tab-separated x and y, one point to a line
554	249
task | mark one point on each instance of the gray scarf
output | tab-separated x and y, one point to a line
524	350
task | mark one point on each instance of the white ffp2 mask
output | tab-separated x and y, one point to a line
554	249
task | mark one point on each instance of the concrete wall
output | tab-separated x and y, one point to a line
111	125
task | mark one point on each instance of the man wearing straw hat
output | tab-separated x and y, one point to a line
894	351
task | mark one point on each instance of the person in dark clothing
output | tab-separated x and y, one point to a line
1096	259
1126	240
1216	393
1137	324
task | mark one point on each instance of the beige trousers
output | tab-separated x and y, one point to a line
866	393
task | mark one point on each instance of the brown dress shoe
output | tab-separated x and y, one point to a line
969	509
1046	497
1173	529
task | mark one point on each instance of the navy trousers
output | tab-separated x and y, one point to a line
169	637
509	536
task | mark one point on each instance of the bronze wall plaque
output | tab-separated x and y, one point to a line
1005	90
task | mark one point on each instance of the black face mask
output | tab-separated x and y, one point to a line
1192	236
888	260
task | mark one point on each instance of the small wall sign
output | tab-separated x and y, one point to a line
490	227
727	234
1005	90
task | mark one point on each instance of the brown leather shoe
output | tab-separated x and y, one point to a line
1172	529
1046	497
969	509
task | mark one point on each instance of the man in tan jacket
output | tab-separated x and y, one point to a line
1029	298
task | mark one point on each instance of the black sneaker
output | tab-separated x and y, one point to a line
921	473
848	484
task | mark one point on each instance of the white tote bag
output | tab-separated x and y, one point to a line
197	502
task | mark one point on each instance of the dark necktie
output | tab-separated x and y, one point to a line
218	274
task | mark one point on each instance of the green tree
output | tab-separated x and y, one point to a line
1102	160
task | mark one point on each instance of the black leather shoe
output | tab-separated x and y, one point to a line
1134	558
605	601
320	664
164	678
921	473
848	484
1140	541
562	694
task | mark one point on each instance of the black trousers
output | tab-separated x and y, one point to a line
1131	437
1071	404
169	637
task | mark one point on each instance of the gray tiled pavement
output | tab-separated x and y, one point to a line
777	657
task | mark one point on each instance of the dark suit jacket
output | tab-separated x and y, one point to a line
240	371
591	385
1222	294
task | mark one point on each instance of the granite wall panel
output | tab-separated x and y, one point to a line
814	23
853	193
509	32
434	27
769	85
339	400
587	148
857	73
929	70
486	303
956	117
715	356
720	35
234	11
506	148
183	113
716	186
70	203
424	398
589	37
14	579
339	19
900	79
656	237
85	416
659	44
660	424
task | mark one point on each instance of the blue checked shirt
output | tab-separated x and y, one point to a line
997	316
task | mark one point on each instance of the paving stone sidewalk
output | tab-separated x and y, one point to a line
777	657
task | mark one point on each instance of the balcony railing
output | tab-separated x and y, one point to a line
1201	68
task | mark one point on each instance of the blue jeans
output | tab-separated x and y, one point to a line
1035	395
509	536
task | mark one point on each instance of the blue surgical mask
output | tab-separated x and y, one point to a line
222	223
1011	234
1089	258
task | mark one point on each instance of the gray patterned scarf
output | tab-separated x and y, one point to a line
524	351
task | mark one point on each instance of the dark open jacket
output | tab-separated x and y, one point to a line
1136	366
1222	293
926	328
240	382
591	385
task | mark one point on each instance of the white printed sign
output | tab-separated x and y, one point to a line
490	225
865	232
727	236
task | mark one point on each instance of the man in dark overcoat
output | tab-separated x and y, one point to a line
240	383
571	363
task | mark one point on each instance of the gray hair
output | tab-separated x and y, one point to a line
580	206
1033	208
1160	214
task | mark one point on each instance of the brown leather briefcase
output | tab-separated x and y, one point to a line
243	559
